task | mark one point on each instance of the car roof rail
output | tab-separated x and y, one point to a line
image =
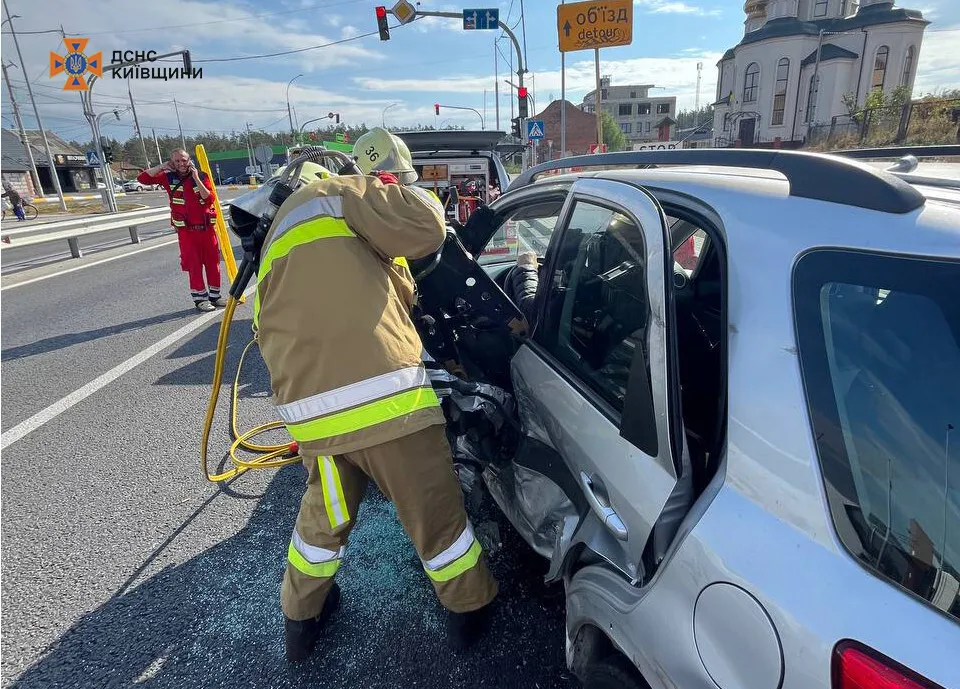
943	151
810	175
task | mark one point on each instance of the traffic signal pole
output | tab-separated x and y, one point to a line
521	69
87	99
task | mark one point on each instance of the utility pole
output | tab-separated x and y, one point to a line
36	112
183	142
249	147
136	123
157	142
696	103
37	189
496	80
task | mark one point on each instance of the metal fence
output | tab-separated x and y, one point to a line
934	121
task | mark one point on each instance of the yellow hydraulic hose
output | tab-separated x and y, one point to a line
269	456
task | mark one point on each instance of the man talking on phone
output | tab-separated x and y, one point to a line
193	216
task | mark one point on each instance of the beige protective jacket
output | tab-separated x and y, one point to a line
333	313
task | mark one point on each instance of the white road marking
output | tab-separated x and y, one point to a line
88	265
44	416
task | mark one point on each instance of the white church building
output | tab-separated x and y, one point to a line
766	88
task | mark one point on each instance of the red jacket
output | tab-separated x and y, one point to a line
187	207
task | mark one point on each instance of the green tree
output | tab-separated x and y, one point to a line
613	137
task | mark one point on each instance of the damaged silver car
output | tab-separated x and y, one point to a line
727	424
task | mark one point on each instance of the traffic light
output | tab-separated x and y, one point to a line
107	151
522	98
187	63
517	122
382	23
436	109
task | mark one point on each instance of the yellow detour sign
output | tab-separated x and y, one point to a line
223	239
602	24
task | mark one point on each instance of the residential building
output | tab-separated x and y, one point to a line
641	117
15	165
581	130
766	91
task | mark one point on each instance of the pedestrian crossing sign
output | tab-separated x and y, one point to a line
93	160
534	129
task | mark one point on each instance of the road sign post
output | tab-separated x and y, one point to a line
586	25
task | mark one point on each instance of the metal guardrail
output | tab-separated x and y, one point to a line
72	230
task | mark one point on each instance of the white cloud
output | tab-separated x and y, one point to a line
334	19
348	31
938	67
454	84
671	7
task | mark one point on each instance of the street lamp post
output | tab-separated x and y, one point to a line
289	112
104	166
383	122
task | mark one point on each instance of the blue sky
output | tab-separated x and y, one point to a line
431	60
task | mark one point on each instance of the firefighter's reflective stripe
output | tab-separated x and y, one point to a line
178	201
315	208
308	231
333	498
364	416
178	223
401	261
354	395
311	560
455	560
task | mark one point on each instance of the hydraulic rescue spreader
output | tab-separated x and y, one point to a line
251	216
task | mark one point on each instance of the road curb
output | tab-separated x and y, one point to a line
90	197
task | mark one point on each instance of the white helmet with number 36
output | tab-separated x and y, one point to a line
379	150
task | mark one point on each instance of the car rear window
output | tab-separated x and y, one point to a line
879	346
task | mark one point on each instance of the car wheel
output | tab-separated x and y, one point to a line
613	672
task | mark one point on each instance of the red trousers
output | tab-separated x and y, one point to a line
199	253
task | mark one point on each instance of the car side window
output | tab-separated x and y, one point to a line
597	310
528	228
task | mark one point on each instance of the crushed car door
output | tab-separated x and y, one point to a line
595	383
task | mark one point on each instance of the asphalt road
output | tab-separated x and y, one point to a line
18	259
121	566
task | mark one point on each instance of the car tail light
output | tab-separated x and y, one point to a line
858	667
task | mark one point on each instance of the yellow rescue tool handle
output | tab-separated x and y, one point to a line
226	249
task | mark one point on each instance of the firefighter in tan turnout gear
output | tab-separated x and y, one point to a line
332	311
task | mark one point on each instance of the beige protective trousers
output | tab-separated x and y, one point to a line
414	472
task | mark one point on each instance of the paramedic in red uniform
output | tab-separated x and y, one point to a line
194	217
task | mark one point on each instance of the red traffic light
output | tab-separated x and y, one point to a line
436	108
381	12
522	91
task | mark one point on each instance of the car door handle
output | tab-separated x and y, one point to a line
611	520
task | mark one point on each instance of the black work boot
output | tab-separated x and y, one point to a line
465	628
301	635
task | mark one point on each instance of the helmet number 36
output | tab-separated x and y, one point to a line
372	154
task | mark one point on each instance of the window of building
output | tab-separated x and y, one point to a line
598	311
663	108
648	126
726	122
626	127
626	110
880	67
633	94
751	83
643	108
820	8
879	345
603	94
812	93
907	67
780	91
